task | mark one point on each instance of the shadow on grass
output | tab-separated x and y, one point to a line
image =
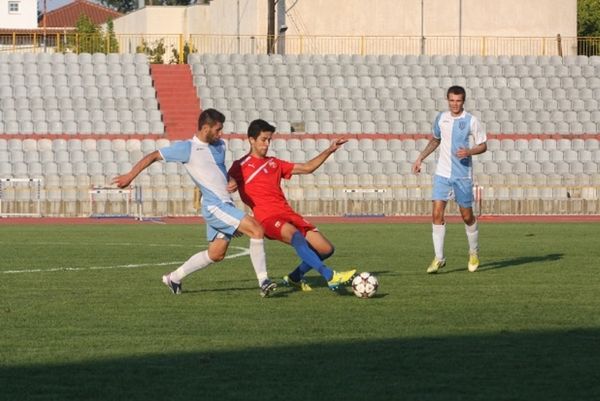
522	260
505	366
512	262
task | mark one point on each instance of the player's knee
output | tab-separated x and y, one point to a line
469	220
327	253
256	231
438	218
216	256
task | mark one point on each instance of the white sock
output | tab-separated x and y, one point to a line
438	234
259	259
473	237
196	262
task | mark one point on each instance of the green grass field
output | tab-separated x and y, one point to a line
92	320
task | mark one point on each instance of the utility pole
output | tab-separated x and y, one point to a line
281	27
271	26
422	28
44	24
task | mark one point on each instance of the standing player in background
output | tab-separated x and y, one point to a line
258	179
454	175
204	159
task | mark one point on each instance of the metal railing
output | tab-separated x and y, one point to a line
172	48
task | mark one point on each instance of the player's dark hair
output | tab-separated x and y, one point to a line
258	126
210	117
457	90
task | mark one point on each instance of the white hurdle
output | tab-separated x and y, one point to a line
107	193
36	196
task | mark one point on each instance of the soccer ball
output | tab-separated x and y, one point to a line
365	285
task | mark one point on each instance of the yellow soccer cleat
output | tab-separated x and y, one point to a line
301	285
340	278
473	261
436	265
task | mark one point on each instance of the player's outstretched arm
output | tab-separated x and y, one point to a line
315	163
124	180
431	146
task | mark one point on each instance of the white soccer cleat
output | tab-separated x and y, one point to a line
173	286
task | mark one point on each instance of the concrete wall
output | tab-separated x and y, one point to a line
520	18
25	18
537	18
376	18
218	18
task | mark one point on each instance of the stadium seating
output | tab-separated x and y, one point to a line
77	94
43	95
509	170
401	94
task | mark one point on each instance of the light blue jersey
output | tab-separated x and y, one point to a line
205	163
455	133
454	176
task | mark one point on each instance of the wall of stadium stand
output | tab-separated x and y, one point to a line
76	121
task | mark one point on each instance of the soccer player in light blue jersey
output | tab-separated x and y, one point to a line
459	135
204	159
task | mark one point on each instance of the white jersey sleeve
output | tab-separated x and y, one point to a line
479	135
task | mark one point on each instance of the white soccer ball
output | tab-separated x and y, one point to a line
365	285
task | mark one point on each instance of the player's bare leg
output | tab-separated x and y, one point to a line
320	244
438	234
472	231
215	253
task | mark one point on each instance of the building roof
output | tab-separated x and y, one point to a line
68	15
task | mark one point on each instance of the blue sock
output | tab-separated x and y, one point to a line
309	257
299	272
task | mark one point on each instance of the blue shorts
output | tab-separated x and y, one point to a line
460	189
222	220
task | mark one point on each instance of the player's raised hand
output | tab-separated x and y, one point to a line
337	143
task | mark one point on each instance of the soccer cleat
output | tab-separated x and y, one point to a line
340	278
436	265
173	286
301	285
473	261
267	287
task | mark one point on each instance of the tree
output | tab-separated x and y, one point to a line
588	17
588	27
187	49
89	37
154	51
122	6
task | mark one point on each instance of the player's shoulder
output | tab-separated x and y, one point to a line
472	117
441	115
219	143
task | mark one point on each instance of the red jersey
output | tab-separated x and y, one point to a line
259	184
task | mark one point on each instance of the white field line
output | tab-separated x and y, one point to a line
243	252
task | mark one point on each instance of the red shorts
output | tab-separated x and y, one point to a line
273	224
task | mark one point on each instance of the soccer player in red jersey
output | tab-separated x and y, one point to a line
257	177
